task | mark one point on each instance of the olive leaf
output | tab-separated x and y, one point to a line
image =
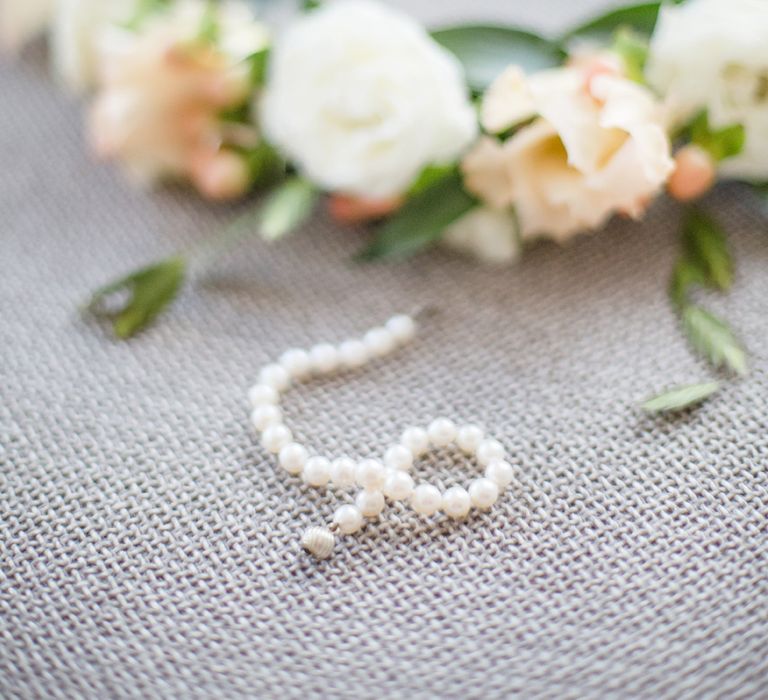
422	220
486	50
680	397
134	301
712	338
706	247
704	261
146	293
286	208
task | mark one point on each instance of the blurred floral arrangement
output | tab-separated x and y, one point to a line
483	137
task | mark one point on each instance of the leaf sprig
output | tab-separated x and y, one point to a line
133	302
705	261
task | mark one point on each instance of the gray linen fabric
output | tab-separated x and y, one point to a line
149	547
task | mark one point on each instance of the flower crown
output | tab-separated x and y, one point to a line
485	138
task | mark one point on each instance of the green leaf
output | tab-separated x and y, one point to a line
713	339
633	50
209	29
286	208
149	290
421	221
259	63
144	9
429	176
706	246
266	165
719	143
641	19
485	51
686	274
680	397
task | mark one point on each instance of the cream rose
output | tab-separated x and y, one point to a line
591	143
163	89
713	55
361	99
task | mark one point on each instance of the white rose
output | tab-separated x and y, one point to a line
487	234
361	99
596	146
713	54
23	20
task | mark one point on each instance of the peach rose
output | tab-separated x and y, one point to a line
589	143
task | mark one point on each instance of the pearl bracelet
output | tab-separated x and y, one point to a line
378	480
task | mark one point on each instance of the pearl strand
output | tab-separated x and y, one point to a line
379	481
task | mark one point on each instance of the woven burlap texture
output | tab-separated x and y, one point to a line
149	547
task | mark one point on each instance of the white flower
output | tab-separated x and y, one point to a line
484	233
23	20
74	27
75	34
713	54
163	89
596	146
361	98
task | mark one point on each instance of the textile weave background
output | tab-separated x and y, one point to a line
148	547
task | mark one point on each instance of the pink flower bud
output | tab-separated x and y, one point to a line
348	209
694	173
220	175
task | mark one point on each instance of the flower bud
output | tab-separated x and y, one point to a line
694	173
347	209
220	175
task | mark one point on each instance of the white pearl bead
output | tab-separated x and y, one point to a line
500	472
398	485
379	341
293	457
484	493
370	474
456	502
317	471
324	358
260	394
353	353
265	415
442	432
296	363
349	519
426	499
398	457
402	327
469	437
275	376
416	440
343	472
370	503
276	437
488	450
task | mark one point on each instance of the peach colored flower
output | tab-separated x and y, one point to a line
163	89
595	145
